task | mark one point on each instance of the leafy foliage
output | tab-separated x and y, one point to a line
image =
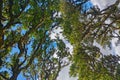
83	29
25	44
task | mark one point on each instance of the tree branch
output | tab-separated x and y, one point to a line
3	76
32	57
1	5
12	16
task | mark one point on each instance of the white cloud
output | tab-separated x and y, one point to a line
104	50
103	3
57	32
64	74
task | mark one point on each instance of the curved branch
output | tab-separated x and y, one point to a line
3	76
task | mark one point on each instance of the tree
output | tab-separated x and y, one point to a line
25	44
83	28
25	26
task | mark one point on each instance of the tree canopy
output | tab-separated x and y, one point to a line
26	46
83	30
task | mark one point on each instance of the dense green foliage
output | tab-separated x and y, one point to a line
84	29
26	47
25	44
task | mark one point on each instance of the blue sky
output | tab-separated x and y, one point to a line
87	5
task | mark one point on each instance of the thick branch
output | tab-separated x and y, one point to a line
1	5
3	76
32	57
35	53
1	26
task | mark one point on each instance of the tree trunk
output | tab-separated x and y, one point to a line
15	75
